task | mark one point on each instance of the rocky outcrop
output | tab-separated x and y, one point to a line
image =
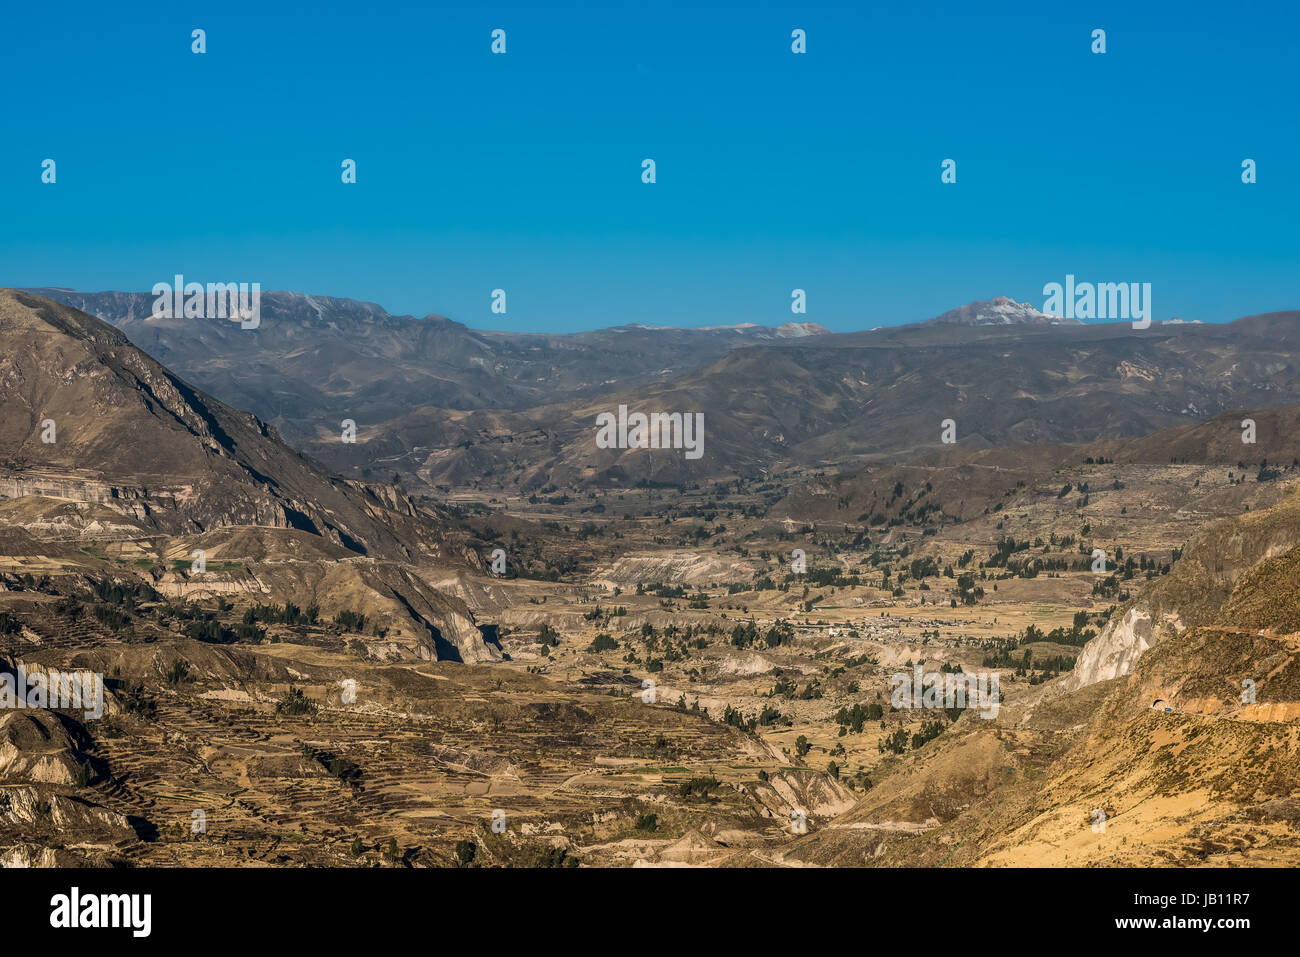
677	568
812	793
31	805
1194	593
35	747
1115	651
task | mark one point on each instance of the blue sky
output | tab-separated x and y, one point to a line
775	170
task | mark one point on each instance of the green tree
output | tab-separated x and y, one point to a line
465	853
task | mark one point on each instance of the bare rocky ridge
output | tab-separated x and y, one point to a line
133	438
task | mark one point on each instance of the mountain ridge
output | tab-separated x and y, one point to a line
91	419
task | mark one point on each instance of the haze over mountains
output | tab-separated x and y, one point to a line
440	404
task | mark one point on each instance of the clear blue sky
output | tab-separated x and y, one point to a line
775	170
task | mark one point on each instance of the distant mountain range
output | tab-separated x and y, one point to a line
443	405
315	355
